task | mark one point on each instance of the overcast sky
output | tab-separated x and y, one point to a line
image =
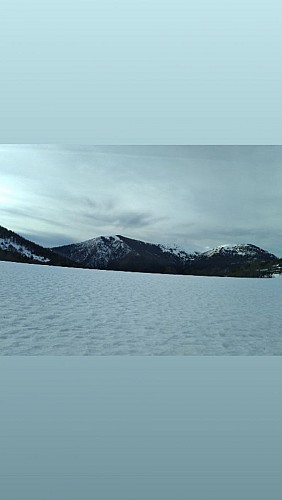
195	196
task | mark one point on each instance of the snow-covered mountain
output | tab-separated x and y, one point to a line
126	254
97	252
14	247
121	253
232	260
247	251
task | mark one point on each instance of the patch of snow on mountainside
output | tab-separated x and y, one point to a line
178	252
276	271
10	244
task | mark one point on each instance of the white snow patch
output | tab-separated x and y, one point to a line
178	251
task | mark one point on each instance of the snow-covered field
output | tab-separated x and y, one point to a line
60	311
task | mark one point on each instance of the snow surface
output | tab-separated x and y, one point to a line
10	244
63	311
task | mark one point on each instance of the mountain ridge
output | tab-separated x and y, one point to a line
120	253
126	254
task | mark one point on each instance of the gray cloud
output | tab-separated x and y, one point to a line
196	196
136	220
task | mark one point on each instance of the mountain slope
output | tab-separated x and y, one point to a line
15	248
260	269
95	253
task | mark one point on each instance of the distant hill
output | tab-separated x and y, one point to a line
15	248
126	254
244	260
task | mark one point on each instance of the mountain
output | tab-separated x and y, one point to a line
15	248
232	260
126	254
